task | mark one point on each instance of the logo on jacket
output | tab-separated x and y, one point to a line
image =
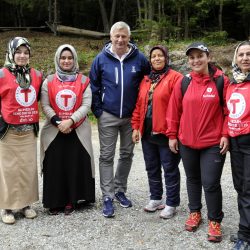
25	97
133	69
236	105
66	99
208	93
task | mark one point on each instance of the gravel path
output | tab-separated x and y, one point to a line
131	228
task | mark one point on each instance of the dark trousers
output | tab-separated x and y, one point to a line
240	162
203	168
156	156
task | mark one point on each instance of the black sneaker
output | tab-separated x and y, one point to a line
108	208
241	245
123	200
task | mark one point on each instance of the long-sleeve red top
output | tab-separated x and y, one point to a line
161	96
197	118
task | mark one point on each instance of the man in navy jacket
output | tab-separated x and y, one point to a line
115	76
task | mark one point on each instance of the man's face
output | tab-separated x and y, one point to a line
120	39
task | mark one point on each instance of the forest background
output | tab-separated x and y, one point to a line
174	23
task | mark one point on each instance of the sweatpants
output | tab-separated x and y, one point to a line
203	168
240	163
155	157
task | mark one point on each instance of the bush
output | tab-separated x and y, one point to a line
215	37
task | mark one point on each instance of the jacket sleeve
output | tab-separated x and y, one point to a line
136	115
174	111
96	87
83	110
225	109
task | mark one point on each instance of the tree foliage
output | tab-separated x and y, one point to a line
162	19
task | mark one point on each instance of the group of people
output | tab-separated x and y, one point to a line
196	118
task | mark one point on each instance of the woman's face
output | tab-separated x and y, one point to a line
198	61
21	56
66	61
243	58
157	59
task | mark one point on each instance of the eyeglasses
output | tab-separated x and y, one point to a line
66	58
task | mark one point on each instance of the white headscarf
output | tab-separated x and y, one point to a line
238	75
66	76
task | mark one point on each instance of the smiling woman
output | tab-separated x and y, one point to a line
66	146
19	88
238	96
204	143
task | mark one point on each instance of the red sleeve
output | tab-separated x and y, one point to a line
135	120
225	109
174	111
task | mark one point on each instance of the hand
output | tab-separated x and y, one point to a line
224	145
136	136
173	145
65	125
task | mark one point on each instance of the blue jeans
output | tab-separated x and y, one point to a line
156	156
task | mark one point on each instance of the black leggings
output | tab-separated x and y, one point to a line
203	168
240	162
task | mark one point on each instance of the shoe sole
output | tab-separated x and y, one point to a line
124	206
192	229
108	216
168	217
152	211
69	213
9	223
214	238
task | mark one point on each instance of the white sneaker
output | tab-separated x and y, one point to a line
154	205
7	216
168	212
28	212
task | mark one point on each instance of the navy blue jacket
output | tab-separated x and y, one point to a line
115	84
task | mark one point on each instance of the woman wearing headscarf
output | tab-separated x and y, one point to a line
19	91
66	146
149	124
198	118
238	102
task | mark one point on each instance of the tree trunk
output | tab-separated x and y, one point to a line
55	17
179	22
112	13
150	9
220	15
186	31
104	16
50	11
139	13
145	9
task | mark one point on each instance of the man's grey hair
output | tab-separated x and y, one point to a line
119	26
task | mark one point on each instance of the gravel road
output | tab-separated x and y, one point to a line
131	228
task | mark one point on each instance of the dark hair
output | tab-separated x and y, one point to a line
164	51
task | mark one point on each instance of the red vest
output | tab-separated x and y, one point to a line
19	106
238	103
66	97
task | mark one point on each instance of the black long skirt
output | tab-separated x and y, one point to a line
67	176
